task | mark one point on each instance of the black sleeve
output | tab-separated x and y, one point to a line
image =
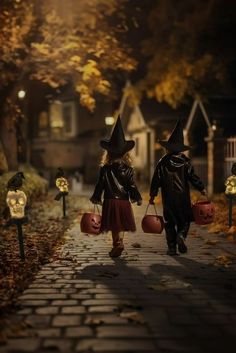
132	188
97	194
156	182
193	178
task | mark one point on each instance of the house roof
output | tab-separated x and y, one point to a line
157	115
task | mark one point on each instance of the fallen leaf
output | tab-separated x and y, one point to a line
136	245
133	316
211	242
225	260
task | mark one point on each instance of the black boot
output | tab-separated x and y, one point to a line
171	251
181	238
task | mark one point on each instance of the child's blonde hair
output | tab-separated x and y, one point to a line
108	158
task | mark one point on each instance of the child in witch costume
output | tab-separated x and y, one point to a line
173	174
116	181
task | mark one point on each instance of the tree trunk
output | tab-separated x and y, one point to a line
8	137
3	160
9	143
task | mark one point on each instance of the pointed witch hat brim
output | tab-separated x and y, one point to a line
175	143
117	144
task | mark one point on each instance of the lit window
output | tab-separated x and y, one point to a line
43	124
63	119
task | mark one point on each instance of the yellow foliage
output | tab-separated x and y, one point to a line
90	69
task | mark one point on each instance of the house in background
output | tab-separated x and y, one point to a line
66	134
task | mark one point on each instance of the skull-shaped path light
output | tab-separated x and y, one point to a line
230	191
16	201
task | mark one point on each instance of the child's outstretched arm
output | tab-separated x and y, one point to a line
195	180
155	185
97	194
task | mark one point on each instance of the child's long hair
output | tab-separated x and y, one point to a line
108	158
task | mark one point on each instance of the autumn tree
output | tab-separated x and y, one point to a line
189	51
58	42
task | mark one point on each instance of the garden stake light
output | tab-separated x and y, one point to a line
230	191
16	201
62	185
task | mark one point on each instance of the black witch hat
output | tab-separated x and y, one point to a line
175	142
117	145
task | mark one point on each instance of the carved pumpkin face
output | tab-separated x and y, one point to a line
203	212
16	201
62	184
90	223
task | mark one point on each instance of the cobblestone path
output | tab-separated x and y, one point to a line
144	301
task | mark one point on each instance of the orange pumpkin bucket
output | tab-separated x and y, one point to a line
91	222
203	212
152	223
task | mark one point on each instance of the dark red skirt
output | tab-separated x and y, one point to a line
117	216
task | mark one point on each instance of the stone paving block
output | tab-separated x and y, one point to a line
26	311
50	310
107	318
49	332
70	290
122	331
80	296
103	302
83	285
73	310
66	320
34	303
126	296
42	296
56	344
41	291
66	302
23	344
102	308
115	345
80	331
38	320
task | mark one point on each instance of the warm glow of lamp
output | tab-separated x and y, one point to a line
214	127
109	120
21	94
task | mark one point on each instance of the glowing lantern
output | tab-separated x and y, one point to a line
62	184
230	184
16	201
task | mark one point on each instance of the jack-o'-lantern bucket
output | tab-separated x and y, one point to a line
91	223
152	223
203	212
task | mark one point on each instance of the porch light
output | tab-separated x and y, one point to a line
109	120
21	94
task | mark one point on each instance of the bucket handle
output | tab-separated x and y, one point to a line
94	209
204	196
154	209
